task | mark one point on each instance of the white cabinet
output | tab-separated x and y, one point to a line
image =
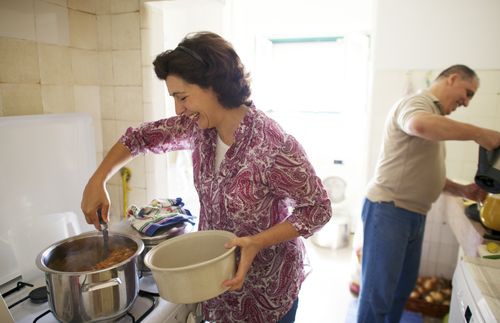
476	291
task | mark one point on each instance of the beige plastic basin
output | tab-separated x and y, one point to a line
191	268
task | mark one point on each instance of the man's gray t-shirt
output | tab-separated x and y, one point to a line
410	170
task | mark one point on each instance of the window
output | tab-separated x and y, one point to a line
316	88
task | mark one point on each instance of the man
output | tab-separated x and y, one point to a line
409	177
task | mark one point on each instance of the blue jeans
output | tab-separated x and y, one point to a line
392	247
290	315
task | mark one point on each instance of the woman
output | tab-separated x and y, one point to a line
252	178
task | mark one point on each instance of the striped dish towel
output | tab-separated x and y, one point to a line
159	214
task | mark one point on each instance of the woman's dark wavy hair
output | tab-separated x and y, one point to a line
209	61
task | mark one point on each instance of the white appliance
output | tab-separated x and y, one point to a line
476	291
335	233
45	162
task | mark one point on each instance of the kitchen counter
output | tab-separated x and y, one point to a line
469	233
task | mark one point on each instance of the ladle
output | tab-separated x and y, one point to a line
104	228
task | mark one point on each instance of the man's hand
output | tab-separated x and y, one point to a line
474	192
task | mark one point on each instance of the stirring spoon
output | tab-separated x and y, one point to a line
105	236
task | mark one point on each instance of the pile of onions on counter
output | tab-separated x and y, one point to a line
432	290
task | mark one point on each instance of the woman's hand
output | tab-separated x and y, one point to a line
251	245
95	198
249	248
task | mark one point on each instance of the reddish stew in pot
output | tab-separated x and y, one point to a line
86	255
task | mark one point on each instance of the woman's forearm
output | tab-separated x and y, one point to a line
118	156
281	232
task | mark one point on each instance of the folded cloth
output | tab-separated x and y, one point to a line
159	214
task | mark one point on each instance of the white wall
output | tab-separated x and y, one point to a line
428	34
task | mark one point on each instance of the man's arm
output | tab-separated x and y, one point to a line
436	128
470	191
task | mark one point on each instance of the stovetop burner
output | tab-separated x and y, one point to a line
36	296
39	295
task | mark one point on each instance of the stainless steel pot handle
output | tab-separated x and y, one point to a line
96	286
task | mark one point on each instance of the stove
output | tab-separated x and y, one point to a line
27	303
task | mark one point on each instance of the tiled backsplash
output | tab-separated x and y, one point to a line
76	56
440	248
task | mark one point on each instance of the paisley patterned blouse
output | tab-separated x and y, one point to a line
264	178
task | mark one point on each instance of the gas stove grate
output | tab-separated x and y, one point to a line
154	303
20	285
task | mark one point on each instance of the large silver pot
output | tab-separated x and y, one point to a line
90	295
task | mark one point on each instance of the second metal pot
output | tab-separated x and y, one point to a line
124	227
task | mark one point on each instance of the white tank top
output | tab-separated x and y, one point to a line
220	152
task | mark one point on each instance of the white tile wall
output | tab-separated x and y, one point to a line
52	24
127	67
55	64
109	134
21	99
58	98
107	103
21	14
440	248
83	29
19	62
138	168
62	3
156	175
146	43
115	194
128	103
121	6
147	11
149	79
125	29
85	65
104	32
87	99
106	67
103	7
89	6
